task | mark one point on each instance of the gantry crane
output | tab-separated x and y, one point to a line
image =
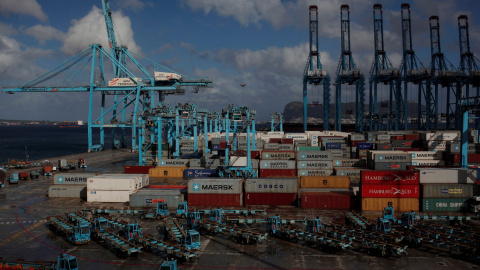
130	90
347	72
382	71
414	72
445	75
277	121
314	73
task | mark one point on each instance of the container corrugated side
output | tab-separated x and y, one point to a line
217	200
277	164
446	204
385	166
72	178
399	204
174	162
113	183
350	163
312	164
326	200
215	185
314	172
277	173
254	198
324	182
271	185
390	177
390	191
278	155
199	172
315	155
108	195
67	191
137	169
447	176
167	171
353	173
151	199
423	155
447	190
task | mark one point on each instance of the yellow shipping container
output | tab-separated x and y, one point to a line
325	182
399	204
166	171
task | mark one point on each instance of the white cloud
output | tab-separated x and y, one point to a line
91	29
44	33
27	7
135	5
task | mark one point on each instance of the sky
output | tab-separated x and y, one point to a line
260	43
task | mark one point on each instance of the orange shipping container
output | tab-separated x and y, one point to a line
166	171
325	182
399	204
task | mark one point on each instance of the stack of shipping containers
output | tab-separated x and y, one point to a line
378	188
325	192
113	187
215	192
69	185
271	191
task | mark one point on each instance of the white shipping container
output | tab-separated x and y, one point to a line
442	136
215	186
428	163
238	161
422	155
447	176
114	182
119	196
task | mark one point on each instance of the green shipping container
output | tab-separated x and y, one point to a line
309	148
446	205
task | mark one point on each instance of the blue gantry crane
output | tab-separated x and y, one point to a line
314	73
347	72
277	121
382	71
414	72
137	90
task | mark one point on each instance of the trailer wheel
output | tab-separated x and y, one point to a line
158	217
244	241
183	216
142	216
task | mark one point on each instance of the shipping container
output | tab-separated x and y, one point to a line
286	147
315	156
137	169
397	166
446	204
333	145
308	149
217	200
390	177
356	137
114	182
353	173
399	204
271	146
207	163
314	165
277	164
119	196
412	137
447	190
447	176
326	200
167	171
253	198
390	157
199	172
150	198
72	178
67	191
277	173
174	162
278	155
145	178
390	191
365	146
337	153
350	163
428	163
441	136
215	185
314	172
423	155
271	185
324	182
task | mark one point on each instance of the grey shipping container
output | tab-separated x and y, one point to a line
447	191
68	191
356	137
314	172
337	153
215	186
278	155
174	162
350	163
393	166
400	157
271	185
271	146
72	178
446	204
286	147
150	198
207	163
315	155
277	164
314	164
352	173
447	176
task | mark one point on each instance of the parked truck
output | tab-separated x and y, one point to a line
158	213
13	179
3	175
64	262
78	234
63	165
24	176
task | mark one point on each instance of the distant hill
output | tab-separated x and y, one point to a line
294	110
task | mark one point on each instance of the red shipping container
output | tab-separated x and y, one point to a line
253	198
254	154
274	140
413	137
455	158
168	186
396	137
137	169
287	141
390	191
215	199
390	177
473	158
355	143
278	172
326	200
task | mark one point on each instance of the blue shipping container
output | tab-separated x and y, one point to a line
199	173
364	146
215	147
333	145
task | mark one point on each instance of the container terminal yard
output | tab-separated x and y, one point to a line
206	190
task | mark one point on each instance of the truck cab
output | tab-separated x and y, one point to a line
216	215
13	179
314	225
82	232
192	240
67	262
192	219
182	210
160	212
383	225
101	224
273	224
81	163
169	265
